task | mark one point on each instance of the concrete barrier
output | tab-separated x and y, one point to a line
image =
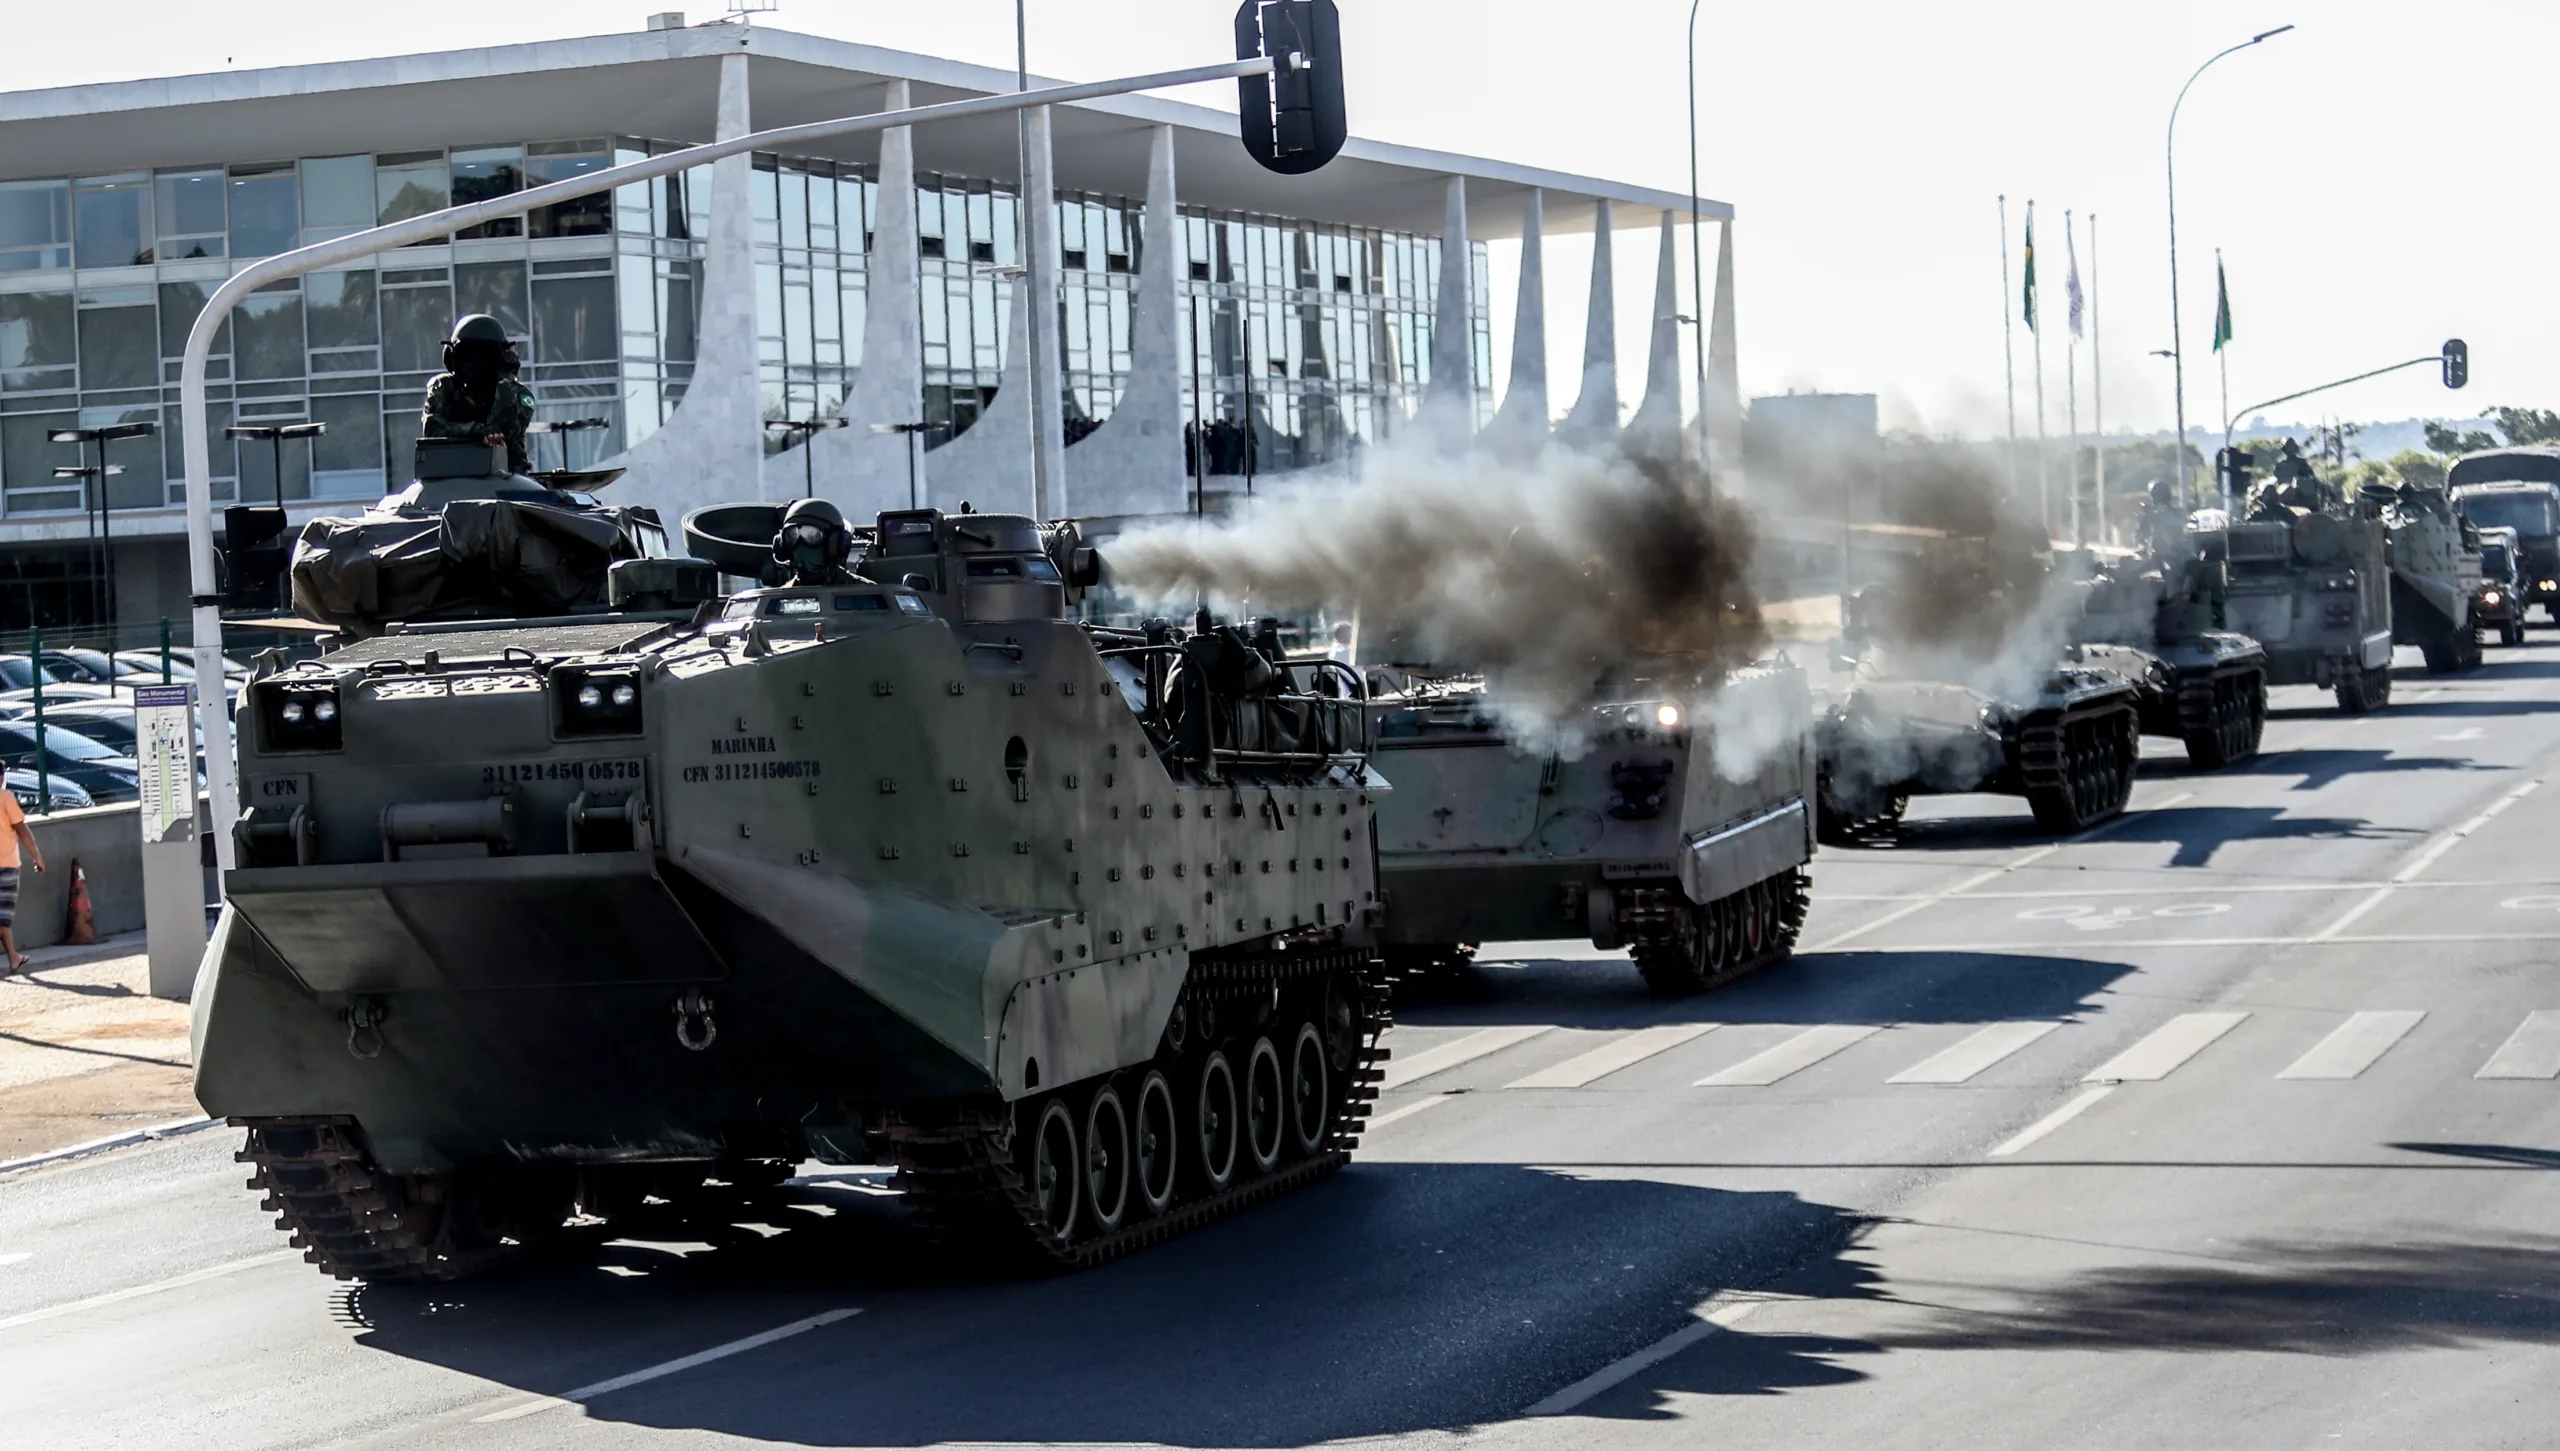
107	842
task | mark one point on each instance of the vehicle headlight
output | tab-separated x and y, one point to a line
1667	716
596	702
299	715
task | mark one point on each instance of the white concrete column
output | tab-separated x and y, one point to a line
1132	463
990	465
1723	403
1048	375
1655	431
712	449
1521	424
1449	400
889	387
1594	419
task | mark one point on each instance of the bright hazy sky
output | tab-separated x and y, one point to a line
2359	173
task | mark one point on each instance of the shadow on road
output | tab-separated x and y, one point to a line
2306	1299
2326	768
1849	986
2198	832
2430	708
1391	1298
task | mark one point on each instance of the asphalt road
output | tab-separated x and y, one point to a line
2229	1123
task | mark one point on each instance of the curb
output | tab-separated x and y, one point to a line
124	1140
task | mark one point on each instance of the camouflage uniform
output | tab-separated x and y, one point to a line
451	413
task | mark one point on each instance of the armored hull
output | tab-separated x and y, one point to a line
2314	591
2070	751
1637	842
1076	928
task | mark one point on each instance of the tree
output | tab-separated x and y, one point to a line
2415	466
2522	427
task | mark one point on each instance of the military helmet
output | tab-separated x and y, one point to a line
812	541
479	327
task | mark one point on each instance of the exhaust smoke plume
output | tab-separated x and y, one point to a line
1555	579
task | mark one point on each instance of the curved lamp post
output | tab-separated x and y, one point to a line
2177	344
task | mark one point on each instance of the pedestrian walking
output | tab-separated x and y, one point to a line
14	842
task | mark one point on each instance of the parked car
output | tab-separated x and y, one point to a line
182	664
105	774
111	726
68	795
17	672
60	692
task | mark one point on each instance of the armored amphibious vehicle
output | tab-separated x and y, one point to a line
2155	617
883	859
1638	841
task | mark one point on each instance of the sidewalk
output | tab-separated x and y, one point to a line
85	1051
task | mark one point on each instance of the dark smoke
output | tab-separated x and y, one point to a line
1555	579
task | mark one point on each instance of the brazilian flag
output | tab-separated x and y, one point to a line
2030	298
2221	306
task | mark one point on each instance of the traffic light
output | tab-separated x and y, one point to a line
1291	119
2457	362
2232	467
253	556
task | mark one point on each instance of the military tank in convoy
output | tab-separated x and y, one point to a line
2155	615
879	859
1633	838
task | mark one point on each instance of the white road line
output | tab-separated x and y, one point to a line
2026	859
1409	1110
2353	1046
1723	1317
1401	1071
1977	1052
1624	1051
136	1292
2219	889
1795	1055
2531	1051
682	1363
2166	1047
2053	1120
2084	946
2424	858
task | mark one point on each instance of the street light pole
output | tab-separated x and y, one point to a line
912	431
277	433
2177	344
1697	247
103	585
564	427
804	429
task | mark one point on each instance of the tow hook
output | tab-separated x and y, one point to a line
694	1028
364	1026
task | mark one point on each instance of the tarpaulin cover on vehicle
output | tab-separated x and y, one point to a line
474	557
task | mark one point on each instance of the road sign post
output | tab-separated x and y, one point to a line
164	738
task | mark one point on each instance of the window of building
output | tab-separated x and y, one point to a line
337	196
35	225
267	339
573	319
409	184
485	173
180	304
416	319
346	459
27	458
496	288
192	220
266	210
587	216
257	459
119	338
111	220
338	313
37	347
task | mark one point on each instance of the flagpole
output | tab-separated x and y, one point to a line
2035	330
2071	377
2097	380
2008	348
2222	353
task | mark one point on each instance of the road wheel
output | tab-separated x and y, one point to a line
1310	1091
1153	1136
1266	1106
1215	1123
1106	1160
1056	1169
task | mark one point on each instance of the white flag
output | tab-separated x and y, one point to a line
2071	280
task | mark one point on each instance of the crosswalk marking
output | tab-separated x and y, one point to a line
2531	1051
2167	1046
2353	1046
1800	1052
1624	1051
1402	1070
1976	1053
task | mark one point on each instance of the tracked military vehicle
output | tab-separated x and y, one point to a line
2436	578
1637	841
2154	617
2314	589
2069	750
883	859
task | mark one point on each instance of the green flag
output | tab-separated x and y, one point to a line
2030	299
2221	305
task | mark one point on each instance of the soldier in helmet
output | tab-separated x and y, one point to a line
478	395
813	544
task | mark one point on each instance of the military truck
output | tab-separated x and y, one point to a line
2154	617
883	859
2519	489
2314	590
2502	599
2436	580
1637	840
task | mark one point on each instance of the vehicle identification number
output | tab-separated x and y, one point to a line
508	773
753	771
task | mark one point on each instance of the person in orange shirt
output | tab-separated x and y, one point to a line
16	839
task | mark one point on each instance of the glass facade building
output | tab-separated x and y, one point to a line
1321	334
